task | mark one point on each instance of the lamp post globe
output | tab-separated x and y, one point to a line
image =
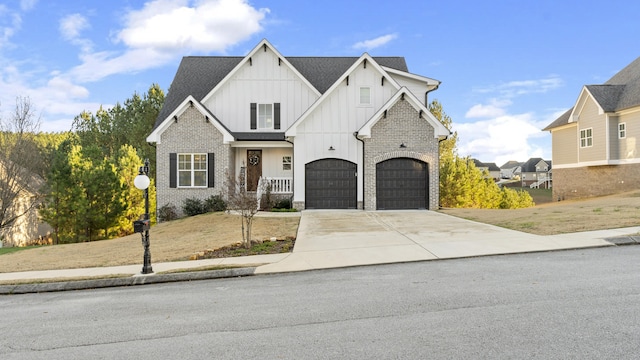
141	182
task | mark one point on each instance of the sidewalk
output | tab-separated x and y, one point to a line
334	239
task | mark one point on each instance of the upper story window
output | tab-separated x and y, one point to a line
586	137
265	116
622	130
365	95
192	170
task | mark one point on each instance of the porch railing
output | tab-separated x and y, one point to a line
279	185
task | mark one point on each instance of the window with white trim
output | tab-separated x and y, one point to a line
286	163
265	116
586	137
192	170
365	95
622	130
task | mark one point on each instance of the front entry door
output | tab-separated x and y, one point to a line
254	169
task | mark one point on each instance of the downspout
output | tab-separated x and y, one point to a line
426	94
293	170
355	134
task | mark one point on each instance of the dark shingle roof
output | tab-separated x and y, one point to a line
620	92
510	164
259	136
489	166
530	165
198	75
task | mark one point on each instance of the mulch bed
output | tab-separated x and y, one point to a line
257	248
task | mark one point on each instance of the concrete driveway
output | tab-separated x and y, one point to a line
337	238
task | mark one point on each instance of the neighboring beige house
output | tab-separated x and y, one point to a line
28	227
595	143
510	170
328	132
491	168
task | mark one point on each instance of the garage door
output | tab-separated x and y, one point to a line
402	184
331	184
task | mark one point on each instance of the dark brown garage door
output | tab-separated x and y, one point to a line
331	184
402	184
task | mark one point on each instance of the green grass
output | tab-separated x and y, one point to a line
540	196
9	250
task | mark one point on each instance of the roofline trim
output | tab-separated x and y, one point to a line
440	131
291	131
156	134
429	81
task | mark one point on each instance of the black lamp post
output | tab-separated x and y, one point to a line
142	226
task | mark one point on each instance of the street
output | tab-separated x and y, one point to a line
582	304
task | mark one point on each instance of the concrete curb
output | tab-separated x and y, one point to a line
126	281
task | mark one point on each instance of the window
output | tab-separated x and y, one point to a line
622	130
586	137
265	116
365	96
286	163
192	170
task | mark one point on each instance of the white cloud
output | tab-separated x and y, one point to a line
72	25
374	43
507	137
10	23
173	26
494	109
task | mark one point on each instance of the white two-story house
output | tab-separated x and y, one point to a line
329	132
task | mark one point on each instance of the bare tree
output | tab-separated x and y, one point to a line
19	156
242	201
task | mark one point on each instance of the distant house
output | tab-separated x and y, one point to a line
28	227
536	173
326	132
510	170
595	143
491	168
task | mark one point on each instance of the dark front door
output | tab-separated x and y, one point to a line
331	184
402	184
254	169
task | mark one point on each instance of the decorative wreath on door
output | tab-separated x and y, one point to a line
254	160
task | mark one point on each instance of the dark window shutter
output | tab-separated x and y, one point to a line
254	116
173	170
276	116
211	170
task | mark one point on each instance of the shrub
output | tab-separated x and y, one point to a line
215	203
167	212
283	204
193	206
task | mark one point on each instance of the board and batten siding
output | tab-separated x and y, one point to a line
418	88
261	81
590	118
333	123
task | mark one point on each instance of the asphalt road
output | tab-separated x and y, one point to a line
582	304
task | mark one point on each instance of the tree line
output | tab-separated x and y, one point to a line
86	175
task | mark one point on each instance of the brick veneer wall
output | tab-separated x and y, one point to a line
591	181
402	125
191	134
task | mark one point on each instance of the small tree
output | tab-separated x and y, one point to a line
242	201
20	162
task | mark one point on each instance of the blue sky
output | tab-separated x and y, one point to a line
508	68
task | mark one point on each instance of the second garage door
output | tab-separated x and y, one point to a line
402	184
331	184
